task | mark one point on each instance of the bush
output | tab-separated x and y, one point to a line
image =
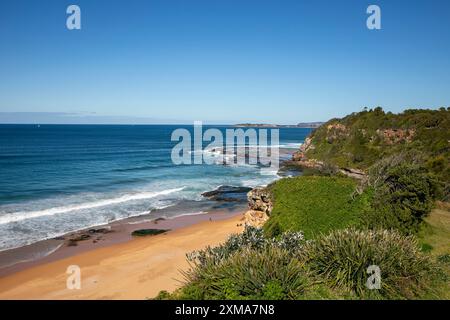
269	273
163	295
444	258
331	267
404	195
343	256
252	238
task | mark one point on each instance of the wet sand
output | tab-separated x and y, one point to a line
133	269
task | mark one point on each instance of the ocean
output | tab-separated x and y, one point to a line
56	179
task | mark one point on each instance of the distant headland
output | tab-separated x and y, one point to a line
268	125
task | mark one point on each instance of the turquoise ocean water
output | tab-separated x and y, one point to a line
56	179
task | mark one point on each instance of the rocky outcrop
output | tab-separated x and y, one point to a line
255	218
299	158
260	200
336	131
307	163
307	145
94	233
260	205
394	136
227	194
353	173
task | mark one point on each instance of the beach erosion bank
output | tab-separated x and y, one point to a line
136	269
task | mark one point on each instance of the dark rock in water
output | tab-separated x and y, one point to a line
158	220
80	237
74	239
148	232
72	243
100	230
228	193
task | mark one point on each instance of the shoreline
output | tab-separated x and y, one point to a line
134	269
44	251
36	270
116	232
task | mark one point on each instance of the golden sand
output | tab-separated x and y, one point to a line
137	269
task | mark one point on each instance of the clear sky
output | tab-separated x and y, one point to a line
221	61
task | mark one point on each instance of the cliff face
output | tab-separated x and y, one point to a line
260	200
260	206
299	157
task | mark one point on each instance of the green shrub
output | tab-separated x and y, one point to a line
332	266
343	256
404	195
426	247
163	295
273	229
269	273
444	258
252	238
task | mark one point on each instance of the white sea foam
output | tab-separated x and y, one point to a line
185	214
19	216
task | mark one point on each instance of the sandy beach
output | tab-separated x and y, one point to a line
136	269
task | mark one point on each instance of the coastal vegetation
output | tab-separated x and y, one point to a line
315	205
360	140
404	194
330	267
374	192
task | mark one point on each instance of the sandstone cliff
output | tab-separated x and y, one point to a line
260	205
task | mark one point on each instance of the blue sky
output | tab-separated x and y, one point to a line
220	61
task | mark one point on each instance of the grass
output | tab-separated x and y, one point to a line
436	232
435	235
315	205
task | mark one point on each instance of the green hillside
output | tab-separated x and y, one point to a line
361	139
328	226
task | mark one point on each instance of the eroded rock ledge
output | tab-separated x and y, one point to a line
300	159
